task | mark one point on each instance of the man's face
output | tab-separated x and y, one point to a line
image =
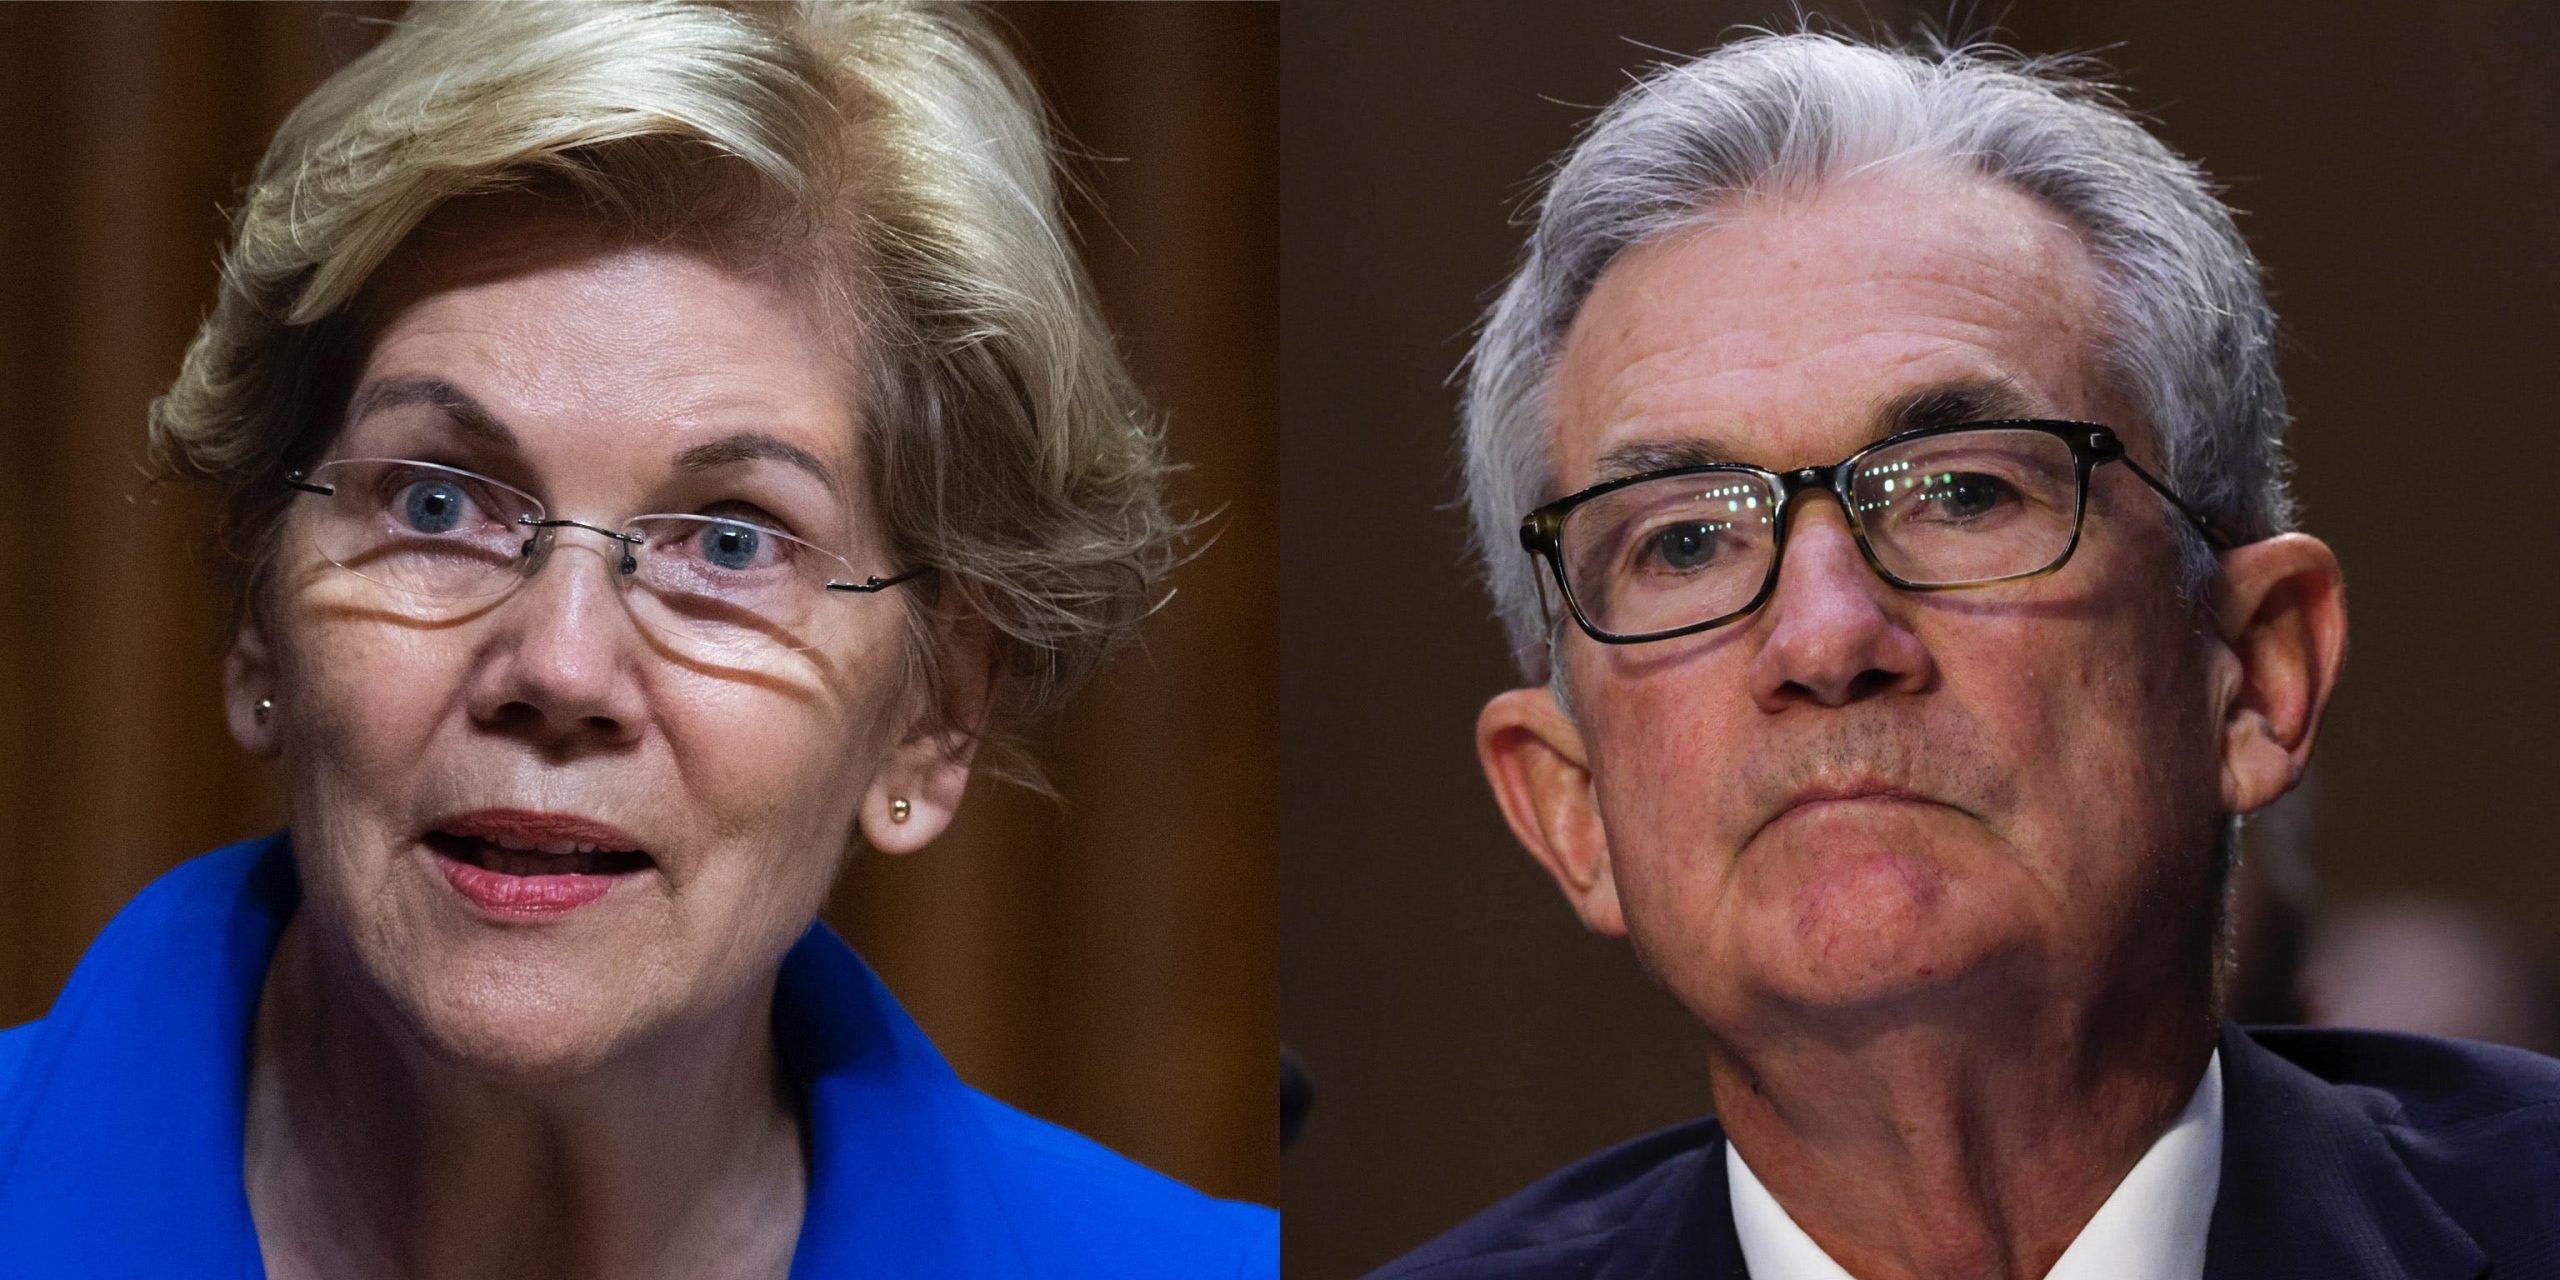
1857	794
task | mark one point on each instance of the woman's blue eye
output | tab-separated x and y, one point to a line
730	546
433	506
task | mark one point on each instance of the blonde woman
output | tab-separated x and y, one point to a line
656	443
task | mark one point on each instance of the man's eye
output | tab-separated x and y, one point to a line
1965	495
1688	545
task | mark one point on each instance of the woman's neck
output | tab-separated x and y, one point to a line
367	1155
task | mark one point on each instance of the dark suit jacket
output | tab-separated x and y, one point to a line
2346	1155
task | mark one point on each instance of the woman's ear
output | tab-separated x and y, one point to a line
917	791
249	702
2280	611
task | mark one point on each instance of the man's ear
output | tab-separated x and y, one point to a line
917	791
1533	755
2280	611
249	681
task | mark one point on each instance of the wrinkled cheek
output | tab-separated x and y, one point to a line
778	787
1674	898
362	710
1664	798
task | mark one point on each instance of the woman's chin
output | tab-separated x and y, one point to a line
507	1024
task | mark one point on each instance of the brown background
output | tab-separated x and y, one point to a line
1106	962
2398	169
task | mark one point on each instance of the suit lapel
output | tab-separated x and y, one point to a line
900	1183
1693	1236
120	1150
2312	1187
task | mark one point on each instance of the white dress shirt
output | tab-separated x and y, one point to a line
2150	1228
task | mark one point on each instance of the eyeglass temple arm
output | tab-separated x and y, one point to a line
2211	535
295	479
878	583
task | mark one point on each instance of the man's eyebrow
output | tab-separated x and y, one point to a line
755	446
1953	404
1946	404
1639	456
452	401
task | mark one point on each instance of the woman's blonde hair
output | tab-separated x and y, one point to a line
888	159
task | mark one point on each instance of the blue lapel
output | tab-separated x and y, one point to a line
2312	1187
900	1183
120	1148
121	1152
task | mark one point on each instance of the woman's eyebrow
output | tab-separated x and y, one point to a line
754	446
474	418
468	414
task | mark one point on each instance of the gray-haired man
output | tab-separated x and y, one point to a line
1876	460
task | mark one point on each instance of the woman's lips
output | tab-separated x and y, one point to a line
535	831
517	864
523	897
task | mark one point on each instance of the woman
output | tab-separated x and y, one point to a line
658	442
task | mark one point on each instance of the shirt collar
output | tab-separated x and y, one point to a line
2151	1227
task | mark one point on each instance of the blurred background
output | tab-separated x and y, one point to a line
2397	169
1297	212
1105	961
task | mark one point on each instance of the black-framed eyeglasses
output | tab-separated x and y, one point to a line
440	540
1684	549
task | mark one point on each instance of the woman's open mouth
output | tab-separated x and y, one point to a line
518	864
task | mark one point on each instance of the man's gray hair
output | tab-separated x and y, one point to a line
2186	337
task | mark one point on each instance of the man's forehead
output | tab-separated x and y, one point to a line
1791	331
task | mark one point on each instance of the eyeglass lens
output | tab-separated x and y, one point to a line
1966	507
441	540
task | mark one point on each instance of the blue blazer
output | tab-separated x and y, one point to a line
121	1121
2346	1155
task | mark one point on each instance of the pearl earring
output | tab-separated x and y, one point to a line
900	810
264	711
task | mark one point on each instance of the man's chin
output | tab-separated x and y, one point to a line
1863	930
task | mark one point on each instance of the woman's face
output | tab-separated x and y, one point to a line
429	753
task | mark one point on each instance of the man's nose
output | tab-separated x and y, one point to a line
1832	636
562	668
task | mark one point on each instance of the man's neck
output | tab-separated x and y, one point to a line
366	1156
1967	1146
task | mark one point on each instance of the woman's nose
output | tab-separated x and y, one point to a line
1832	633
562	664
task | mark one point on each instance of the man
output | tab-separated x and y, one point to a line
1907	591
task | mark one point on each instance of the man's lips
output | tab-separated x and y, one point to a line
1815	797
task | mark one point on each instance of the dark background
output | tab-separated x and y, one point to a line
1105	961
2397	169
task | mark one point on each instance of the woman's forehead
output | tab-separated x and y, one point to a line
541	330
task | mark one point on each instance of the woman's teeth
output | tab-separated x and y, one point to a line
548	858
